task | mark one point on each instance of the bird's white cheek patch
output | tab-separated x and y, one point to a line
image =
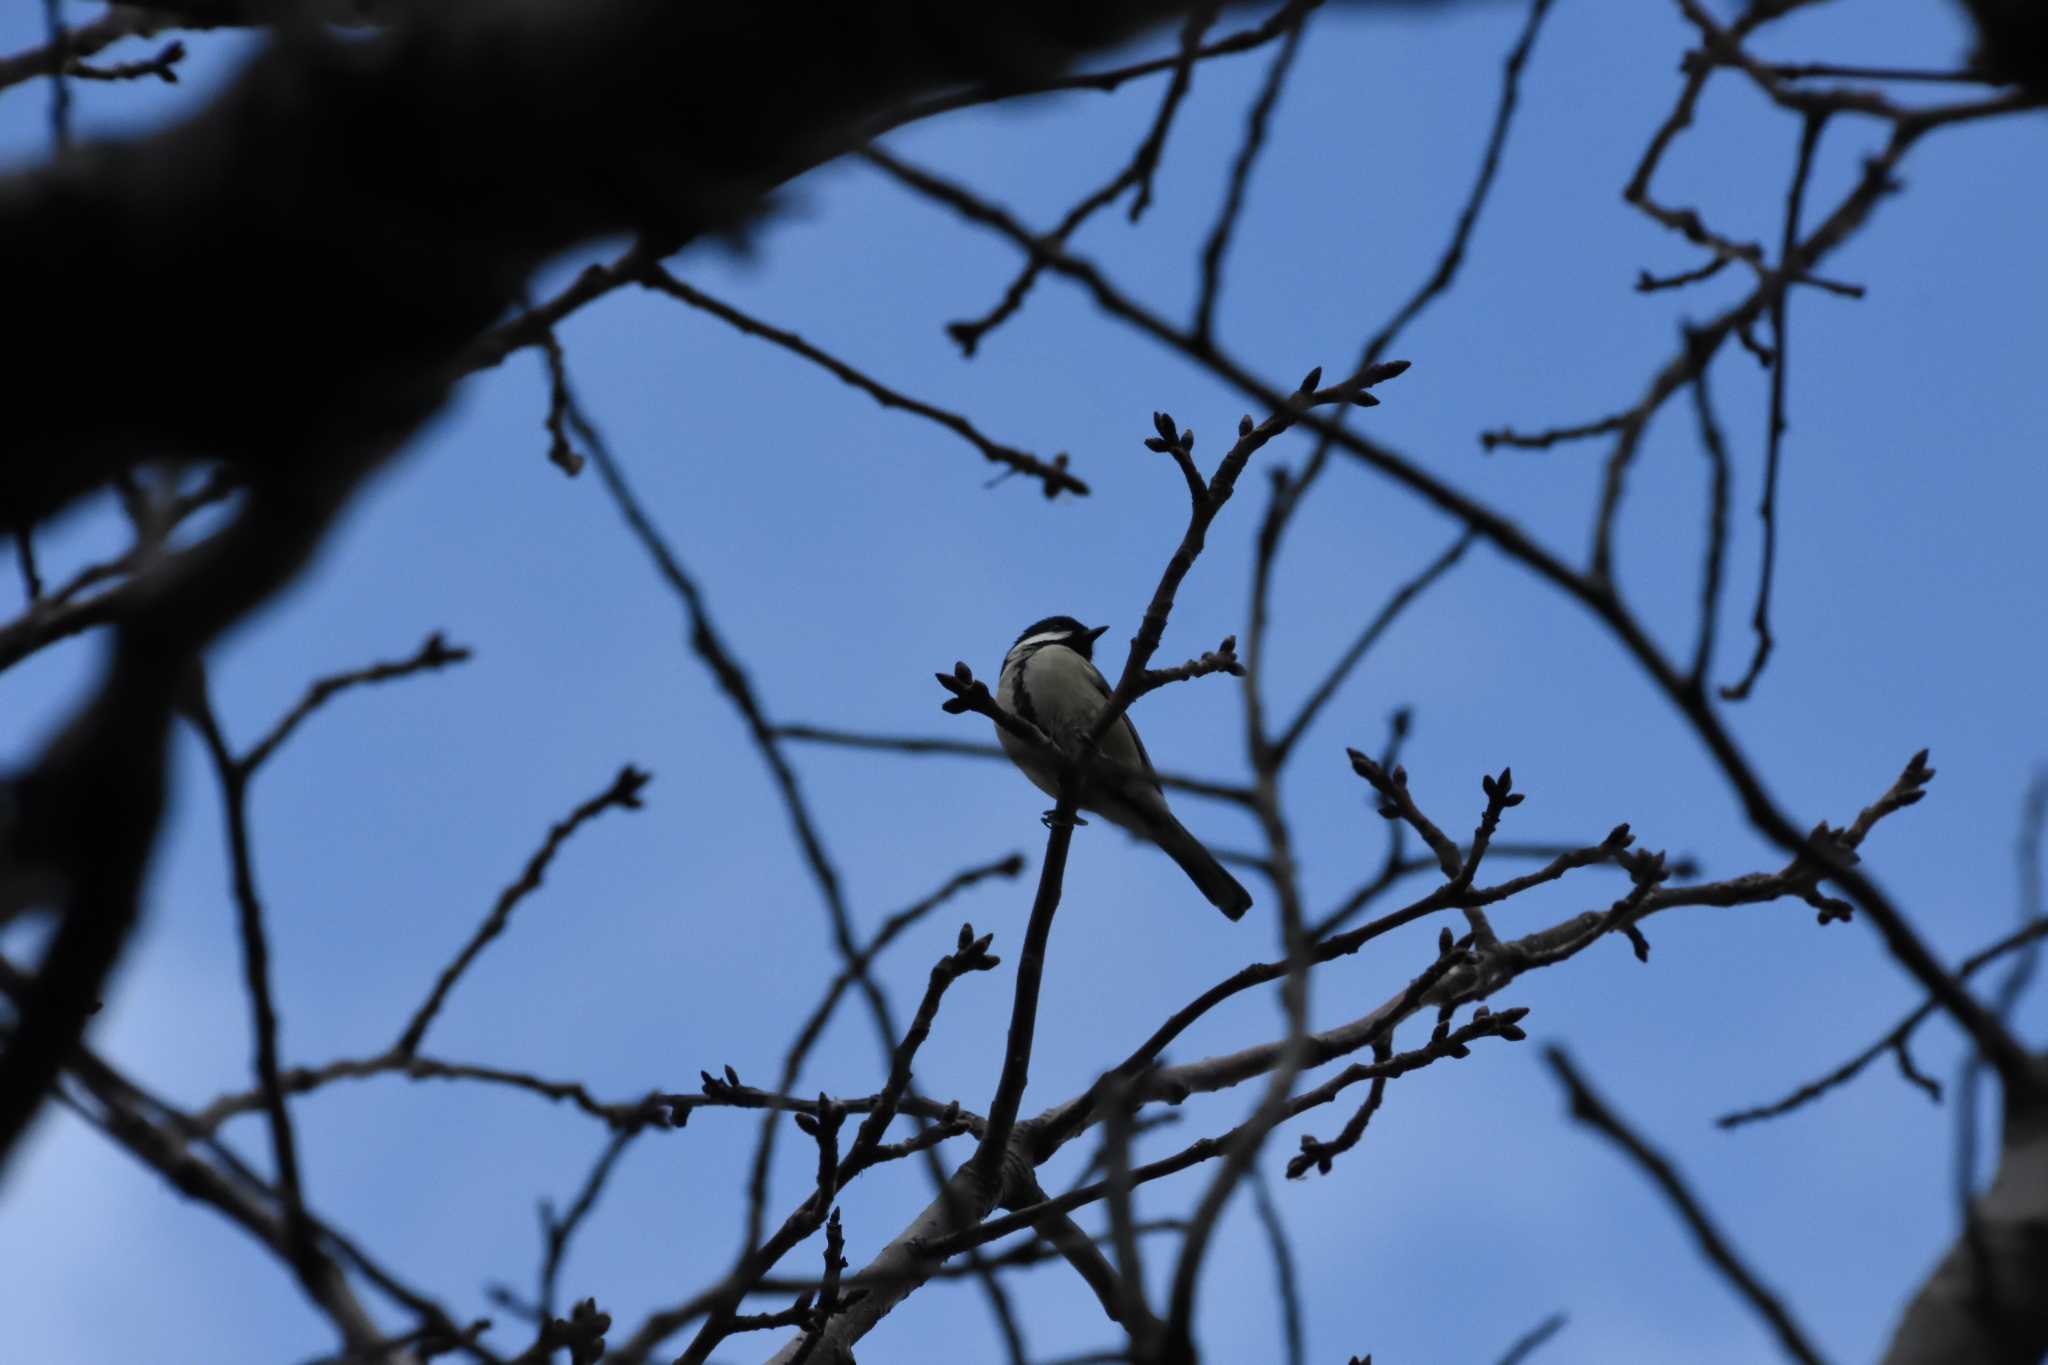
1049	637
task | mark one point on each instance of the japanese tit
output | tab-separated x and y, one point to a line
1049	679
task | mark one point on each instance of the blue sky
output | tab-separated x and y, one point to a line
847	552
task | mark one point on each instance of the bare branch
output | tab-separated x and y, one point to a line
1367	638
920	744
1532	1340
233	777
1051	474
434	655
624	793
1588	1108
1717	528
1283	1267
1788	263
1240	177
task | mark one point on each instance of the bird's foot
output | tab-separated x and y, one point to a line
1052	820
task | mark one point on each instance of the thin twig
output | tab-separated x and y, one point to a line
624	793
1256	121
1716	449
1590	1109
1052	474
1405	594
434	655
1532	1340
921	744
1284	1275
233	776
558	1231
1135	173
1767	509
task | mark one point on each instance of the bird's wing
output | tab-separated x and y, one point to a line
1124	730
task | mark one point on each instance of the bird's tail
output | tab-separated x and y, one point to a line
1208	875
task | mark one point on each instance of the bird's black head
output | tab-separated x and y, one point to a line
1063	630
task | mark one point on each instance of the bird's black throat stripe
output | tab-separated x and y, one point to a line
1025	709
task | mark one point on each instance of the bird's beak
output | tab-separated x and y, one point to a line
1096	634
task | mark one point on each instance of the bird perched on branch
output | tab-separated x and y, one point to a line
1049	679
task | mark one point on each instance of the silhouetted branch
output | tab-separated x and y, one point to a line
1809	140
1895	1041
1052	474
435	654
1367	638
1284	1275
1531	1341
233	776
1135	174
1588	1108
624	793
556	1232
1717	530
1240	176
920	744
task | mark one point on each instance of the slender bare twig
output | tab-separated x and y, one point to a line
1543	440
164	66
1590	1109
920	744
1220	233
891	928
971	955
1532	1340
84	41
432	656
1646	283
233	777
1405	594
59	614
1136	174
1767	509
1717	529
1284	1274
1793	71
1244	40
1489	166
1145	164
1052	474
556	1232
624	793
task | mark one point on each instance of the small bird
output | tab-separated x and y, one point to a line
1049	679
